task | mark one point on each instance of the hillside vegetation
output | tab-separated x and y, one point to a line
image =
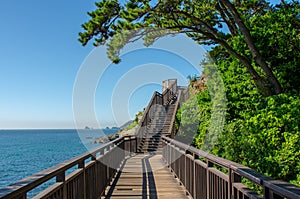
260	131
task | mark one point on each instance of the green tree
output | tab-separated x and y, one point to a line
263	132
209	22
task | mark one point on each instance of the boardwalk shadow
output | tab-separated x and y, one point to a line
147	184
115	181
151	181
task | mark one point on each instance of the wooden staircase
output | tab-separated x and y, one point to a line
161	118
168	119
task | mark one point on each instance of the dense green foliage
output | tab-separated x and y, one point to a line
266	139
260	132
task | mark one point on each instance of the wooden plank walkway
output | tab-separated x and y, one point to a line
145	176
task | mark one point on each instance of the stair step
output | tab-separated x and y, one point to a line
152	140
159	124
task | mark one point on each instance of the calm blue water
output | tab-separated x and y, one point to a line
25	152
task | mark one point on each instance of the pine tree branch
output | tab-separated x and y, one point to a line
254	52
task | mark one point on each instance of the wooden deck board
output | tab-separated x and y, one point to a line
145	176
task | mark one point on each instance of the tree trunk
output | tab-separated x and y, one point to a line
262	84
277	89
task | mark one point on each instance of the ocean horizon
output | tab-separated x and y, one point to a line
25	152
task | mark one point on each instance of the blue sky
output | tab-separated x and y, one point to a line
40	58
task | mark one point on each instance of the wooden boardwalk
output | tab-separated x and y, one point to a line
145	176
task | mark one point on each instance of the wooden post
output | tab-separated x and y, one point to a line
82	166
62	178
266	192
269	194
136	145
234	178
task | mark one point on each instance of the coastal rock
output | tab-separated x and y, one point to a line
130	132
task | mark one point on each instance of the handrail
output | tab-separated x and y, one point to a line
169	93
172	86
184	161
155	99
182	97
185	95
152	102
172	123
22	187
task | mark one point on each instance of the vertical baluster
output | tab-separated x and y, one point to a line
208	181
196	157
230	185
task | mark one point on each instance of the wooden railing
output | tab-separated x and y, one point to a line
206	176
157	99
89	180
146	119
172	129
169	93
185	94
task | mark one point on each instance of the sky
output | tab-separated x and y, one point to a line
49	81
41	60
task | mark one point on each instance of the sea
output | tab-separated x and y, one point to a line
26	152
